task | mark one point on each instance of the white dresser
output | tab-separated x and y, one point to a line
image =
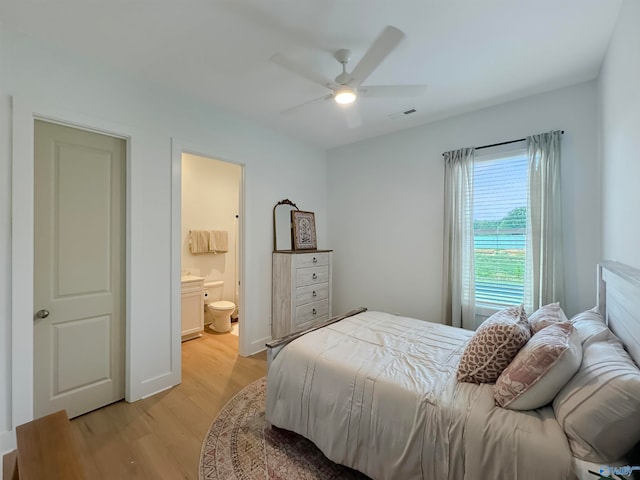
192	306
301	290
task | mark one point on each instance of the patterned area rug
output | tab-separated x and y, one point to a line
240	446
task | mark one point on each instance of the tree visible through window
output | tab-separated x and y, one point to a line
500	226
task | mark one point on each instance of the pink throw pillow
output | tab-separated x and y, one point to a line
540	370
545	316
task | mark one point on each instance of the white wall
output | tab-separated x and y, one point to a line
385	203
44	80
620	134
210	201
5	273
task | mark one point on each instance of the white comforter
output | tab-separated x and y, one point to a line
378	393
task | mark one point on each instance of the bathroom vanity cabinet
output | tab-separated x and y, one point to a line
301	290
192	306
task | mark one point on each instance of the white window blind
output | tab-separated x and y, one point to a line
500	222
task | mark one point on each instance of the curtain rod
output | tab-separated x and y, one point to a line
504	143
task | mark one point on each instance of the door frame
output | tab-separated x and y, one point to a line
178	147
22	212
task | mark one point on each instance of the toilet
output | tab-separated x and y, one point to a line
219	309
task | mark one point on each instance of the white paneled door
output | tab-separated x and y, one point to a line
79	269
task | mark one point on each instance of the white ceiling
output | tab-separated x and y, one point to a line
470	53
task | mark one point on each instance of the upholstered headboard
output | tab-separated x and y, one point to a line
619	303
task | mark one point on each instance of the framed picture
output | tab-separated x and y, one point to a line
304	230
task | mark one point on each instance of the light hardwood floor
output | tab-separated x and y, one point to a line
161	437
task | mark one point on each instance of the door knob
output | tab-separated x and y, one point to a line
42	313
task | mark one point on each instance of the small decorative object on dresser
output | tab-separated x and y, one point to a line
304	230
301	290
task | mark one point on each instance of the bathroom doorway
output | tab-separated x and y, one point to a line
210	247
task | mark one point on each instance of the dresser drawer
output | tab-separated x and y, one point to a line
312	275
312	293
313	259
311	312
303	326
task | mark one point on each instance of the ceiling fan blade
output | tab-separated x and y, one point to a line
302	71
378	51
306	104
392	91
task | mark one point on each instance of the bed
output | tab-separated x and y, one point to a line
378	393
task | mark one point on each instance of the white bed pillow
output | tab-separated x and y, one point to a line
591	326
494	345
599	408
543	366
545	316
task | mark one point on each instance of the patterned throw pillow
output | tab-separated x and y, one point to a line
545	316
543	366
494	345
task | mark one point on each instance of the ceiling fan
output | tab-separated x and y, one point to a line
347	87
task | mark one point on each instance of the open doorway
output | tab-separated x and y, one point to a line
210	248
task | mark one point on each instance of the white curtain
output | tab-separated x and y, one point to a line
544	278
458	276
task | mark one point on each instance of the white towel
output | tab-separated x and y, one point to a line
218	241
199	241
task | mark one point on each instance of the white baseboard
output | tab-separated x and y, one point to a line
7	441
156	392
258	346
158	384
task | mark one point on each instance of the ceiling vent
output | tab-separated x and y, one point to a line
397	115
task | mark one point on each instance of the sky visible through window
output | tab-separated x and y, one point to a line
499	187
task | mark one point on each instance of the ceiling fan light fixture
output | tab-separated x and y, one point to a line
345	95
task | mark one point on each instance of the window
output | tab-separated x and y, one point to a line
503	228
499	224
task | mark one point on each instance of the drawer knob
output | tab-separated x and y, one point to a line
314	276
315	294
315	260
314	311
